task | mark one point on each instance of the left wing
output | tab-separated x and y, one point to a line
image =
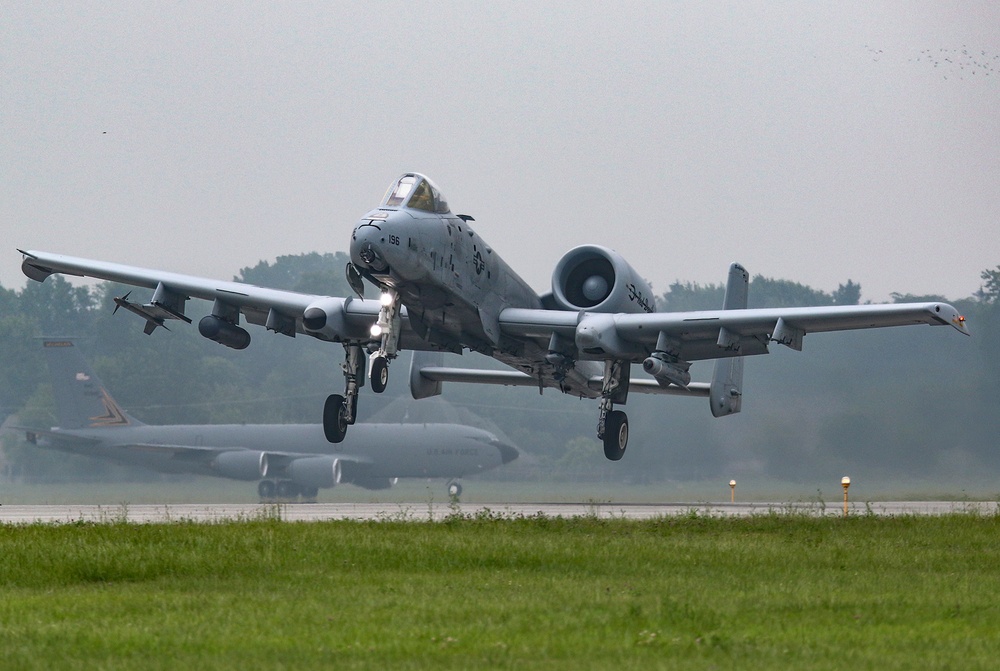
283	312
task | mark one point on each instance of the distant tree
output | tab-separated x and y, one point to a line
20	359
312	273
331	281
8	301
56	306
847	294
768	292
990	291
916	298
691	296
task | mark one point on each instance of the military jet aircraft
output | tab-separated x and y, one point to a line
288	460
443	288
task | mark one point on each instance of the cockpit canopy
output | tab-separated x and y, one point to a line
416	192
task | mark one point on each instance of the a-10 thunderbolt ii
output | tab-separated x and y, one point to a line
444	288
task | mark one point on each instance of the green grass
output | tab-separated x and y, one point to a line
766	592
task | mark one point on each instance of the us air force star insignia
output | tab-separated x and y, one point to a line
478	262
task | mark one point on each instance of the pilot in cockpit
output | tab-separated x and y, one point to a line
418	193
422	198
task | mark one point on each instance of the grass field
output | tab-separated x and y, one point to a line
766	592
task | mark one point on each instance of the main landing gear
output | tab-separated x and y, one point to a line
612	425
285	491
340	411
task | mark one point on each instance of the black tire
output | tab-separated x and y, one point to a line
309	494
265	489
334	418
454	489
287	489
380	374
615	435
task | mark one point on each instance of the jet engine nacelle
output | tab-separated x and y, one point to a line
315	471
241	464
223	332
598	279
374	483
326	318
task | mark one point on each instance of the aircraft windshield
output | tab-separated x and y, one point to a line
399	191
422	195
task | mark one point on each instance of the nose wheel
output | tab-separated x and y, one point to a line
380	374
386	328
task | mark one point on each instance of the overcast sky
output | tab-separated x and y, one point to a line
817	144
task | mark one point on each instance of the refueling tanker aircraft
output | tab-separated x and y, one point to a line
443	288
287	460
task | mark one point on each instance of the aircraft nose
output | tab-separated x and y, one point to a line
366	247
508	453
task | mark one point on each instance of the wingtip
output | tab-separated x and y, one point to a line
960	325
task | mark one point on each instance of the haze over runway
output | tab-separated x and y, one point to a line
817	144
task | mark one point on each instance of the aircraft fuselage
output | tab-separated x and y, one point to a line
451	281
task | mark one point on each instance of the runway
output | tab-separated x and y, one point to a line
418	512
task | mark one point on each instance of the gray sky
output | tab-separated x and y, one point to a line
818	144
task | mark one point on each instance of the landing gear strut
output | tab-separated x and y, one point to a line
387	328
339	412
612	425
285	490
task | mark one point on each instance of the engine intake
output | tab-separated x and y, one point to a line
598	279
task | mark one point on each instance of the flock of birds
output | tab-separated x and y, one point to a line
961	63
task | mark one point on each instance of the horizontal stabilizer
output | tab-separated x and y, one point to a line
513	378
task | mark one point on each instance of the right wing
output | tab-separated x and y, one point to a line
286	312
713	334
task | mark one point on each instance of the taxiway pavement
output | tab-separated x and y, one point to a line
314	512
